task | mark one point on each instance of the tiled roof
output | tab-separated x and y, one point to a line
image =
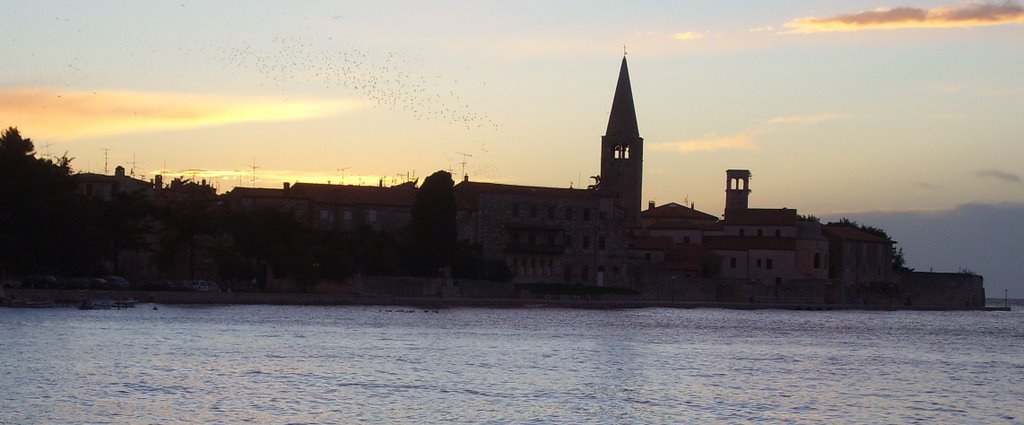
98	178
853	234
744	243
684	225
256	192
650	243
398	196
761	217
467	193
686	251
673	210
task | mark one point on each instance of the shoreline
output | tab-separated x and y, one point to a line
75	297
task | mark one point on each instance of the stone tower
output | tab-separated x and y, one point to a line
737	189
622	151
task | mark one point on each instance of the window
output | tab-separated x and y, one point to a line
567	273
741	232
347	215
586	242
533	211
567	241
686	239
760	232
778	233
768	264
515	210
533	238
568	213
600	242
620	152
817	260
732	263
551	238
551	213
758	263
647	257
586	214
584	273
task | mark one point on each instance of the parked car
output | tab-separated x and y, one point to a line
41	282
201	285
116	282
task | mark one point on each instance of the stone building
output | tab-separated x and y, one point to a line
544	234
559	235
334	207
104	187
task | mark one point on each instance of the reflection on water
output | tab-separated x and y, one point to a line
268	364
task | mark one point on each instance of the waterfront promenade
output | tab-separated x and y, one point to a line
75	297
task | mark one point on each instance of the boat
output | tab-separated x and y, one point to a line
107	304
97	304
30	303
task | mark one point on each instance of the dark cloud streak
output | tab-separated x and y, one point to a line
999	175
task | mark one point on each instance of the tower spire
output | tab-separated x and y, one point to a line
622	120
622	151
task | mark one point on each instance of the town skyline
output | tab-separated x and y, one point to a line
857	111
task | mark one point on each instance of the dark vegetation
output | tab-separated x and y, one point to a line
48	228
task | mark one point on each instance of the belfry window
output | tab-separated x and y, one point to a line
620	152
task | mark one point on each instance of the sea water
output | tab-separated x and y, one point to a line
274	364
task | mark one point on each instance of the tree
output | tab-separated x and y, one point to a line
184	220
433	223
45	226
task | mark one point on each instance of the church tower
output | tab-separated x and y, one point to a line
737	190
622	151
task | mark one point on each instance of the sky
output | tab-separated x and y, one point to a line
902	112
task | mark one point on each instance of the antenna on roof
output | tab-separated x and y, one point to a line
47	147
463	163
135	164
342	170
254	167
106	156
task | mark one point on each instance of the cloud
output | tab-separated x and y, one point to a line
806	119
766	28
736	142
970	89
966	16
687	36
999	175
744	140
63	115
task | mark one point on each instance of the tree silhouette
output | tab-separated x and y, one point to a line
433	223
44	225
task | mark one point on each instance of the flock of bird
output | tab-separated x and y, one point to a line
385	78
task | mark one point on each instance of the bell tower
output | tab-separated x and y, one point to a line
737	189
622	151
